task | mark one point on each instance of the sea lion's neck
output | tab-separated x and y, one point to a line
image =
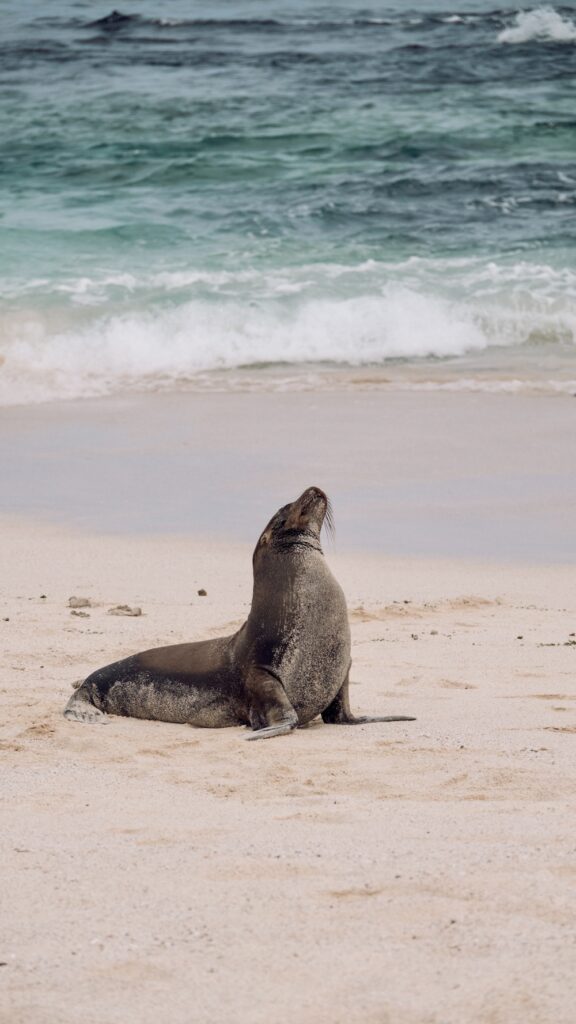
279	568
297	539
301	542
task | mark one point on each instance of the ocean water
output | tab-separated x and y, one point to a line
294	194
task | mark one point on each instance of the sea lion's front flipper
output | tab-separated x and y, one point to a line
271	713
339	713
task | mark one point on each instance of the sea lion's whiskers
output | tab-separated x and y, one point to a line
329	520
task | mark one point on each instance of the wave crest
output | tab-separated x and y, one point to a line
543	23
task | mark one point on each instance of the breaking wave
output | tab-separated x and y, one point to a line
543	23
163	332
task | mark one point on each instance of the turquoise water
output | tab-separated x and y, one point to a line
189	188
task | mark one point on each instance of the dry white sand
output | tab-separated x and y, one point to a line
384	874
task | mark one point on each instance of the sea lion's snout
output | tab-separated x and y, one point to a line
303	518
309	511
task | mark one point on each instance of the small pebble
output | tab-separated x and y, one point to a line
78	602
202	593
81	615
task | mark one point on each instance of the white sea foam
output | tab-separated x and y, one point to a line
543	23
145	350
418	274
122	332
507	386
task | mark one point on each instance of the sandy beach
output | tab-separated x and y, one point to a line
247	250
420	872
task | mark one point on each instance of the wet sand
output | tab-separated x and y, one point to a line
412	474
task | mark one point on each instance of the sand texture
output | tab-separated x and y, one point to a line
421	872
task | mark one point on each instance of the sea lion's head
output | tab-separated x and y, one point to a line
300	522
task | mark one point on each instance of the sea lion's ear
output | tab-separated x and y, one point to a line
265	538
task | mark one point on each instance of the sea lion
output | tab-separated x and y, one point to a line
286	665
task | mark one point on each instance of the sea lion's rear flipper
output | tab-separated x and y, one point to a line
339	713
271	713
81	709
384	718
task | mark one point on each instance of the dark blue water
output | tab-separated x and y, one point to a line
187	188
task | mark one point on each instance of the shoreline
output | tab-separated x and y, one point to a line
499	370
